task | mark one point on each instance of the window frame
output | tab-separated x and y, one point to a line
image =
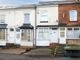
44	16
73	32
2	18
44	33
73	15
26	18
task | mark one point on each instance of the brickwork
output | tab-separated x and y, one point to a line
64	13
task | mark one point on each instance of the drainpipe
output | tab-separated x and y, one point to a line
34	41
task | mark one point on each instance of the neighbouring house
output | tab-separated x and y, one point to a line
28	26
17	25
69	23
46	24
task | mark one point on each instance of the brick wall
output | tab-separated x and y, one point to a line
64	13
73	41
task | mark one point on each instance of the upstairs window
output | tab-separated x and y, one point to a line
2	19
26	18
73	15
44	17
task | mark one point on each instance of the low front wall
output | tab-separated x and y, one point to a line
73	41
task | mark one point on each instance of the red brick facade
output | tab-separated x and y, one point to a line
64	13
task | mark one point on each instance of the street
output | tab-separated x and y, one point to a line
26	57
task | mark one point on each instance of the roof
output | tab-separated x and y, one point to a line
26	6
55	2
18	7
3	26
39	4
26	26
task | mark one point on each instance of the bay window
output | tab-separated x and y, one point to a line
26	34
2	34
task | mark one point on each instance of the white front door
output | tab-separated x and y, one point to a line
54	35
17	36
11	35
62	35
43	37
14	35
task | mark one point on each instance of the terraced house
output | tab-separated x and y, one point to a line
47	24
40	24
69	22
17	25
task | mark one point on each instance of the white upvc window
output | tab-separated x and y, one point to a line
73	33
43	34
2	19
26	18
44	16
73	15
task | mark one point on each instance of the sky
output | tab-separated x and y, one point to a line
20	2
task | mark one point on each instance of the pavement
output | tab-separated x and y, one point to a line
26	57
34	54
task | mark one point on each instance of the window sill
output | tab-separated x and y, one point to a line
73	21
43	21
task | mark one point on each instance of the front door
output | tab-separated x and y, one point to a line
14	35
62	35
17	36
11	35
54	35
